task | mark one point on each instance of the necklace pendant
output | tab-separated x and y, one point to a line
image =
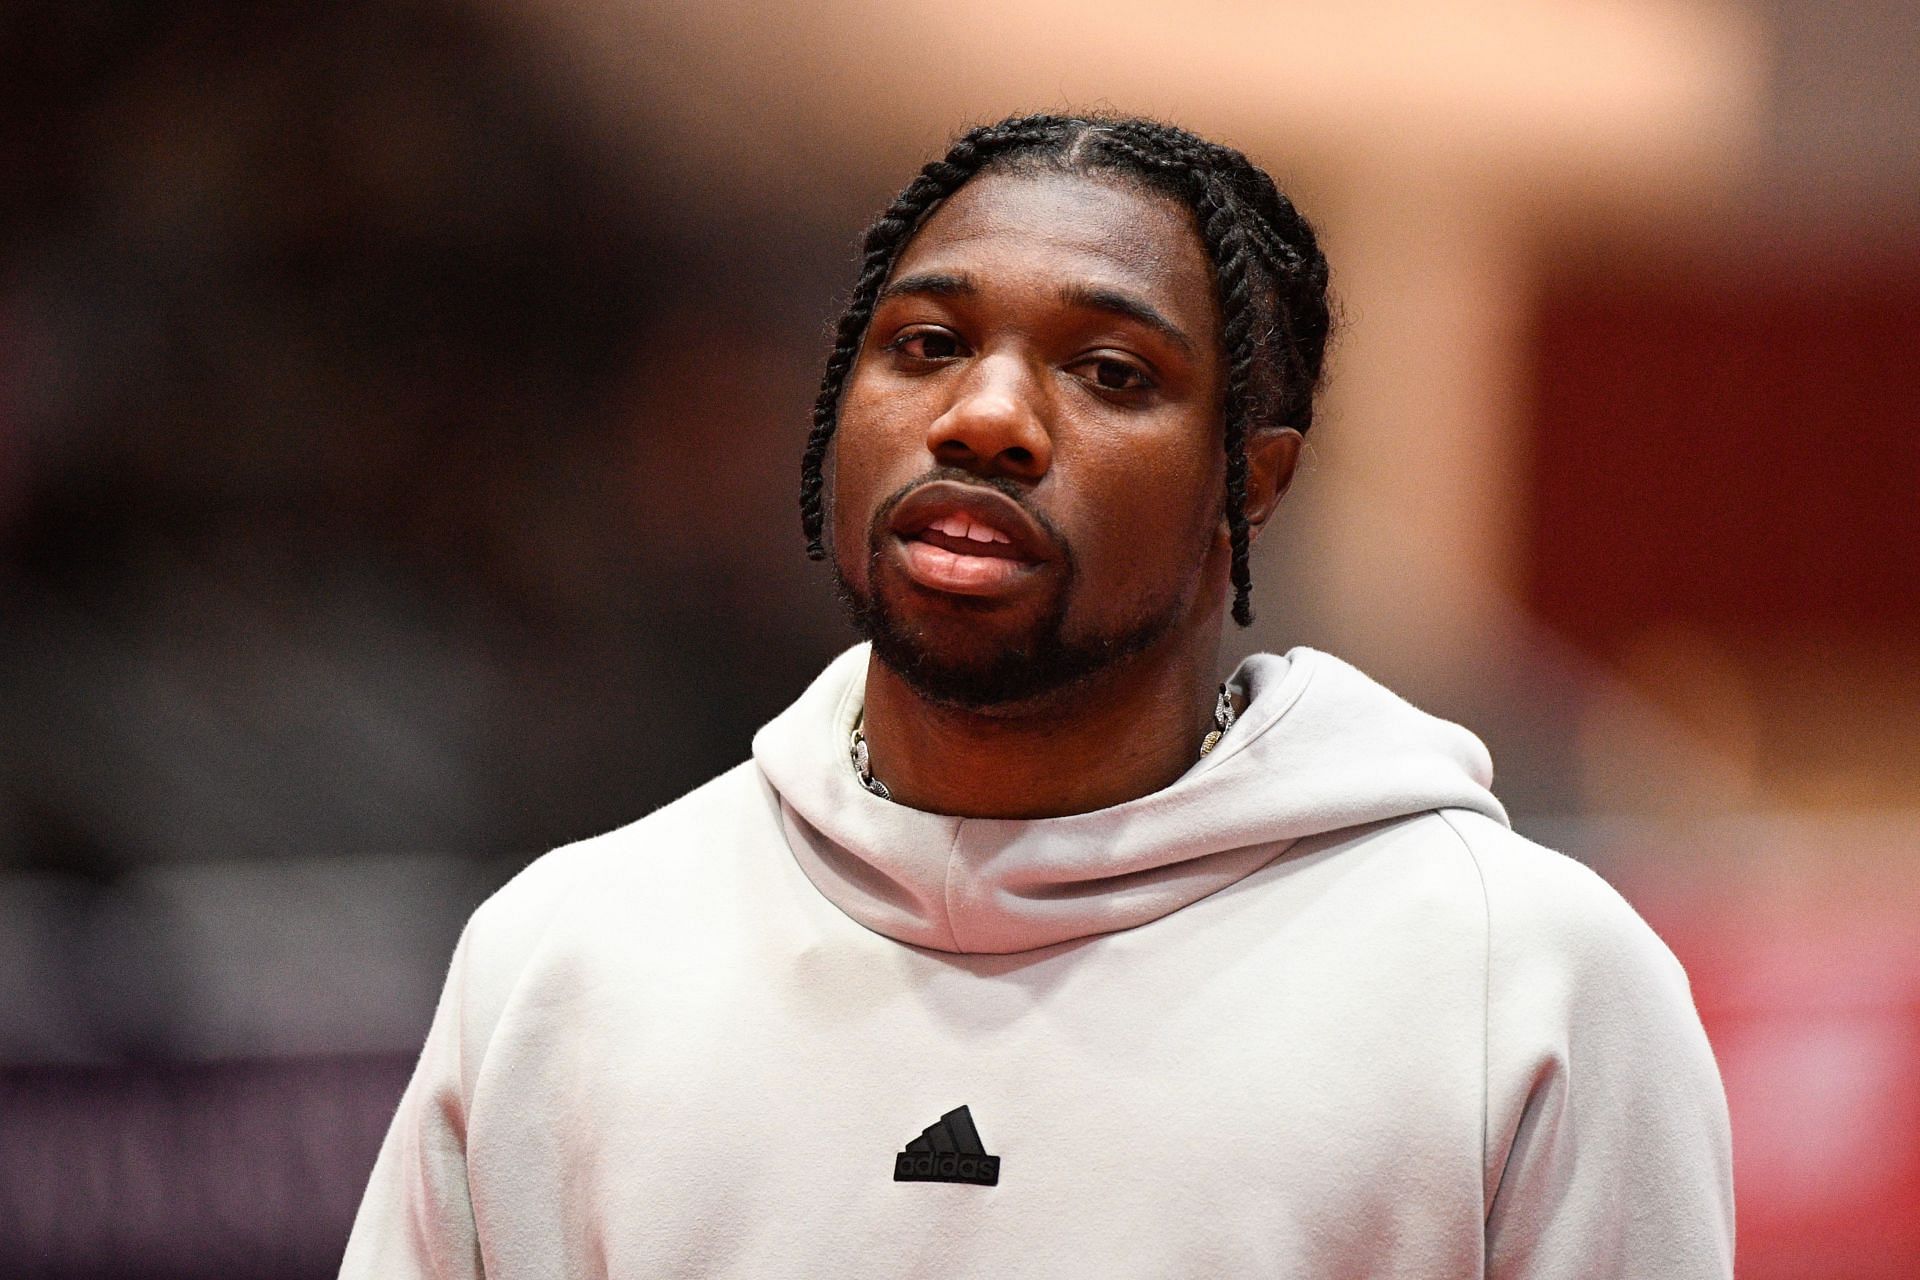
1223	719
864	770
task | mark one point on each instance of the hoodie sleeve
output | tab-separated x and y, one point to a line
1608	1151
417	1219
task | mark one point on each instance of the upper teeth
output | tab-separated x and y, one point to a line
957	526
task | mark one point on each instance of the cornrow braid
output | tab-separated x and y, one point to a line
1288	250
1226	245
884	240
1192	166
1270	276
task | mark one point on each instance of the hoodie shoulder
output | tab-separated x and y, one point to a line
1593	1050
504	931
513	916
417	1218
1551	907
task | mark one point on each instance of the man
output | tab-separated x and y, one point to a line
1021	947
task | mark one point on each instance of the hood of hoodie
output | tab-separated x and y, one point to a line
1320	747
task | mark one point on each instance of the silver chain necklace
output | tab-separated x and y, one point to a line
1223	718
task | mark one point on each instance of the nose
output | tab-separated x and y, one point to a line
994	425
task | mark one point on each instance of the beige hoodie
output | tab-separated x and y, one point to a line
1310	1011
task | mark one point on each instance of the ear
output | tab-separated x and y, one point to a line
1272	454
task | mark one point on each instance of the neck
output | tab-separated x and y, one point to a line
1128	731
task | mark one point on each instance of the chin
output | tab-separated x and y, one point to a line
962	656
1005	677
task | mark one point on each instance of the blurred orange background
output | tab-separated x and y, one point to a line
400	413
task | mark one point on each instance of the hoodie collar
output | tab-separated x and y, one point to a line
1320	747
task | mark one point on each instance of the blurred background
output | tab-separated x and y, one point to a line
400	412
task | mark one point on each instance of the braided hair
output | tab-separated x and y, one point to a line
1269	271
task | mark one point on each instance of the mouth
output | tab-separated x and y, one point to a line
968	540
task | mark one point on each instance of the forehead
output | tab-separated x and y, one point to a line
1012	228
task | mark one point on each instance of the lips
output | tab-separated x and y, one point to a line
968	540
968	536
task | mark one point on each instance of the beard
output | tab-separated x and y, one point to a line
1044	660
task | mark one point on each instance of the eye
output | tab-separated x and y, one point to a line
927	344
1110	373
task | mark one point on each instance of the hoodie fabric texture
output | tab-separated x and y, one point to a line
1312	1010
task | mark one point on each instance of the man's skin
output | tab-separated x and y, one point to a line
980	360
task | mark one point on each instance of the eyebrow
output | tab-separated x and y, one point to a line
1126	305
1116	302
935	284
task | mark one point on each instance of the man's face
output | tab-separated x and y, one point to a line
1027	479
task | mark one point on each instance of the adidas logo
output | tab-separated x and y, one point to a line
948	1152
